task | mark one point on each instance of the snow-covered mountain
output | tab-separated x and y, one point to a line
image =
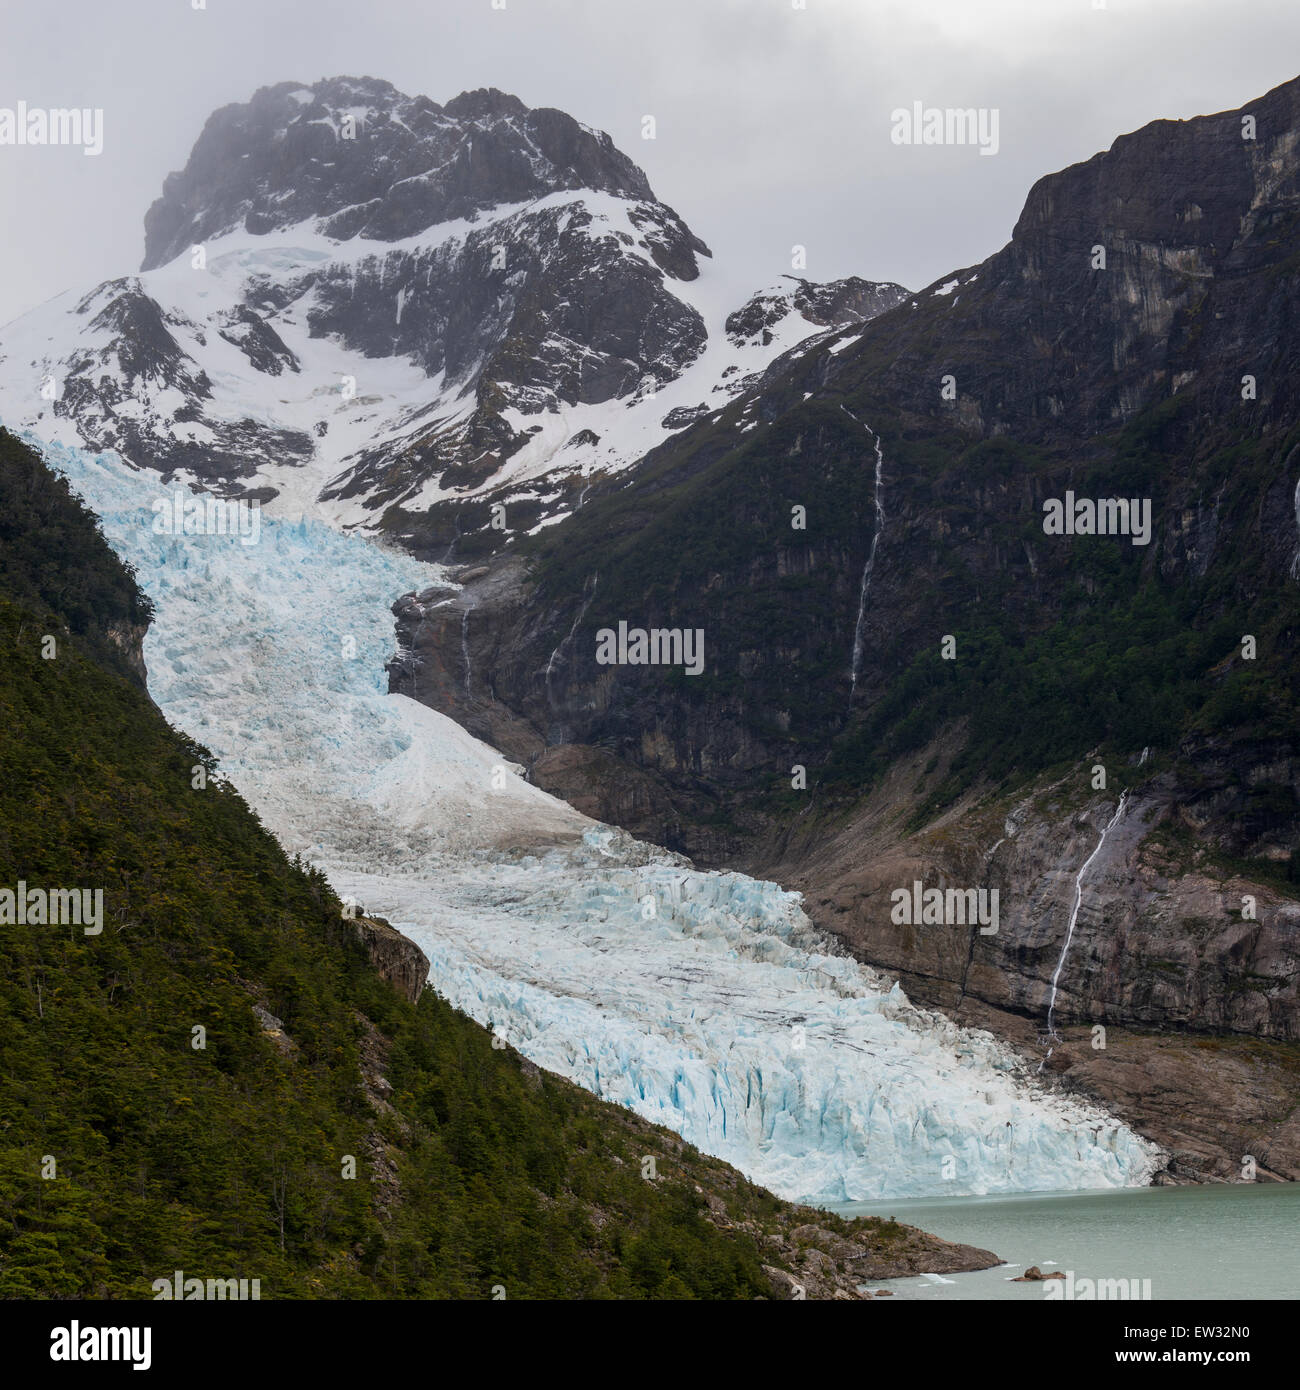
395	314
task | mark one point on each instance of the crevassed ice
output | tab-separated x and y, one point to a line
723	1015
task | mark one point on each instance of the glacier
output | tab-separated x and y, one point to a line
705	1001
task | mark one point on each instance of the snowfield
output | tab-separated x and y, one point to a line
704	1001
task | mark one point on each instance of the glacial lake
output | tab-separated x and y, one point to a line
1220	1242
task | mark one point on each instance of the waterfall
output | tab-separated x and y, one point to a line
1295	559
464	651
1074	914
856	666
590	587
446	559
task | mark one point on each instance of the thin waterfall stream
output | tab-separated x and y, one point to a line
1074	917
856	666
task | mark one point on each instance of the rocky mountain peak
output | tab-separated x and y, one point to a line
1192	184
361	159
485	103
832	304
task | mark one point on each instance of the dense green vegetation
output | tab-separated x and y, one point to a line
1094	645
1145	677
53	559
1115	656
126	1152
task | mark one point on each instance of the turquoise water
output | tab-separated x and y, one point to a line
1221	1242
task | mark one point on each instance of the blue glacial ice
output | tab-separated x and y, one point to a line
706	1002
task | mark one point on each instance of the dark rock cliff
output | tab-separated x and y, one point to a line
396	957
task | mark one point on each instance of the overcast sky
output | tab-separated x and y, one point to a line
773	122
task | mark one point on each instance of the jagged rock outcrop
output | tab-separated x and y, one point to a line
833	305
396	957
128	638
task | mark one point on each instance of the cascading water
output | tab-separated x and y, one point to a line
1074	916
464	653
704	1001
1295	559
590	587
446	559
856	665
